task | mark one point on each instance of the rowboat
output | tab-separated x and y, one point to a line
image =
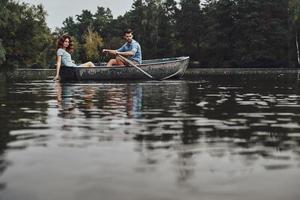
157	69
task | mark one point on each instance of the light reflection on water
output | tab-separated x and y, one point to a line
150	140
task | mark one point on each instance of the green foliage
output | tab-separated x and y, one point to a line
167	41
294	8
2	53
102	19
261	28
92	43
188	27
70	27
25	35
294	14
217	37
217	33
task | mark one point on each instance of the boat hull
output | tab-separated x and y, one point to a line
159	69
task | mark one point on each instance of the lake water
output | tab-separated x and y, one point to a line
169	140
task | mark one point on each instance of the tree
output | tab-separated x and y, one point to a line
151	27
217	33
2	53
92	43
85	20
294	12
70	27
24	33
188	27
261	33
102	19
167	42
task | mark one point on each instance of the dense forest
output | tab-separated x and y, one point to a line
214	33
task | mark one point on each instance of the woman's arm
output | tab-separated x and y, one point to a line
58	64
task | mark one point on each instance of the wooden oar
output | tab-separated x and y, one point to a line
134	65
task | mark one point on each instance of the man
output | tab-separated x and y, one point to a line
130	50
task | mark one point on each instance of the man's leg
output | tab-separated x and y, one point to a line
116	61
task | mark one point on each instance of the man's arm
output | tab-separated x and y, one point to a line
116	52
111	51
126	53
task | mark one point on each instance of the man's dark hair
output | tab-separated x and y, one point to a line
127	31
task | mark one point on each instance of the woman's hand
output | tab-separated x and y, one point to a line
56	78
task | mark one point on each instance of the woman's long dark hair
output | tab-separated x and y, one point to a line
60	43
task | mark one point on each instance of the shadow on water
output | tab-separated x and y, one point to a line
206	133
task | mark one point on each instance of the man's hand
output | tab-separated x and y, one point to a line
114	52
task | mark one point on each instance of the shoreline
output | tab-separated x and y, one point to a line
191	73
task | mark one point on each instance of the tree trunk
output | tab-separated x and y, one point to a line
297	45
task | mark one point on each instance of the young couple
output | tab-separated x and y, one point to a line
131	50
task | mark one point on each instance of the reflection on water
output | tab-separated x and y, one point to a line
150	140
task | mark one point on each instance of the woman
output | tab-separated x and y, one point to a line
64	48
